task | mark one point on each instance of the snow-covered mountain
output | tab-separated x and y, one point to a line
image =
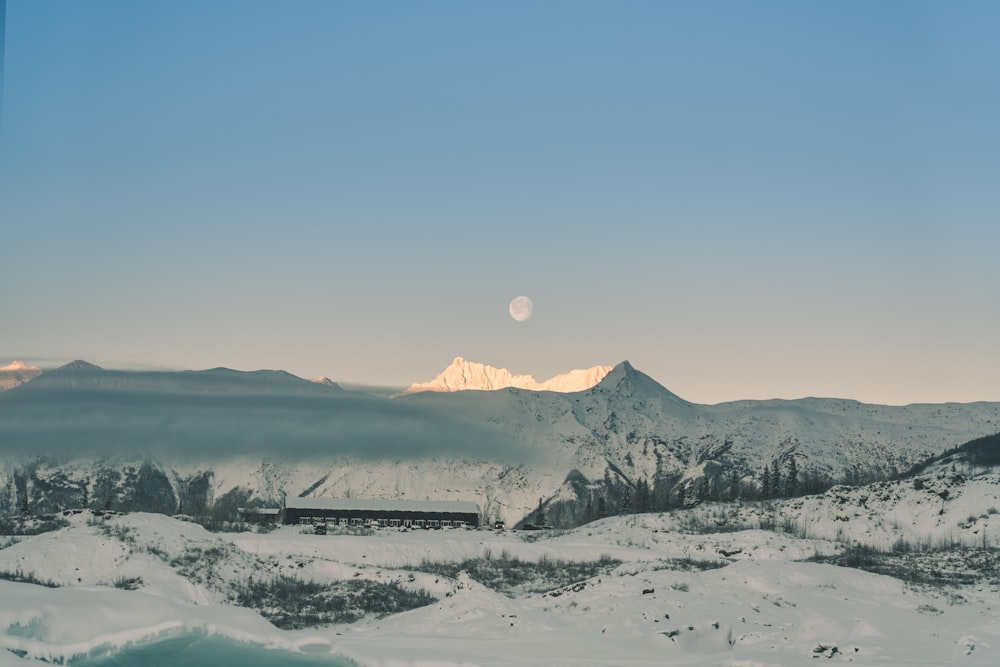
463	375
208	441
17	373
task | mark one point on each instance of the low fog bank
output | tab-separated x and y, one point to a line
199	426
372	390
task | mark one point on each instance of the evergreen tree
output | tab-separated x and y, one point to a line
540	514
85	500
854	475
602	507
814	482
792	478
776	487
25	508
765	482
626	505
642	496
667	504
589	511
734	484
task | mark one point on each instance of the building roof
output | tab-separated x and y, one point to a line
382	505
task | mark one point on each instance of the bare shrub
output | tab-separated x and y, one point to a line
291	603
26	578
512	576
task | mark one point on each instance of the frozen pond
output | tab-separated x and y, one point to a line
201	651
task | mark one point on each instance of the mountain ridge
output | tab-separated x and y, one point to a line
81	375
464	375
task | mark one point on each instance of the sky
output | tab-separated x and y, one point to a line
744	200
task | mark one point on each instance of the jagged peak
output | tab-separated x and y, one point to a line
621	371
16	374
326	382
625	367
19	366
625	380
464	375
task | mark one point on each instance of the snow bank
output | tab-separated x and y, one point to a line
63	623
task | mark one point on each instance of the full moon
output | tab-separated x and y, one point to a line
520	308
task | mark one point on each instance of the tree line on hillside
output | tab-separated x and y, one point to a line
984	451
778	479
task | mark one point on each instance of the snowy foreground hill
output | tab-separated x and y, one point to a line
690	587
206	442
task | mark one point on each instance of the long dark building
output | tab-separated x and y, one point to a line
383	513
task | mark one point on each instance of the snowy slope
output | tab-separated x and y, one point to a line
948	504
629	427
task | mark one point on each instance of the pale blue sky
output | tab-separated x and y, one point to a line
745	200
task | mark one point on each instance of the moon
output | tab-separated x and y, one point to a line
521	308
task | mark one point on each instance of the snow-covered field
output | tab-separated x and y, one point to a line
763	606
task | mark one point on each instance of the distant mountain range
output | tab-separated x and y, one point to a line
460	375
208	441
464	375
